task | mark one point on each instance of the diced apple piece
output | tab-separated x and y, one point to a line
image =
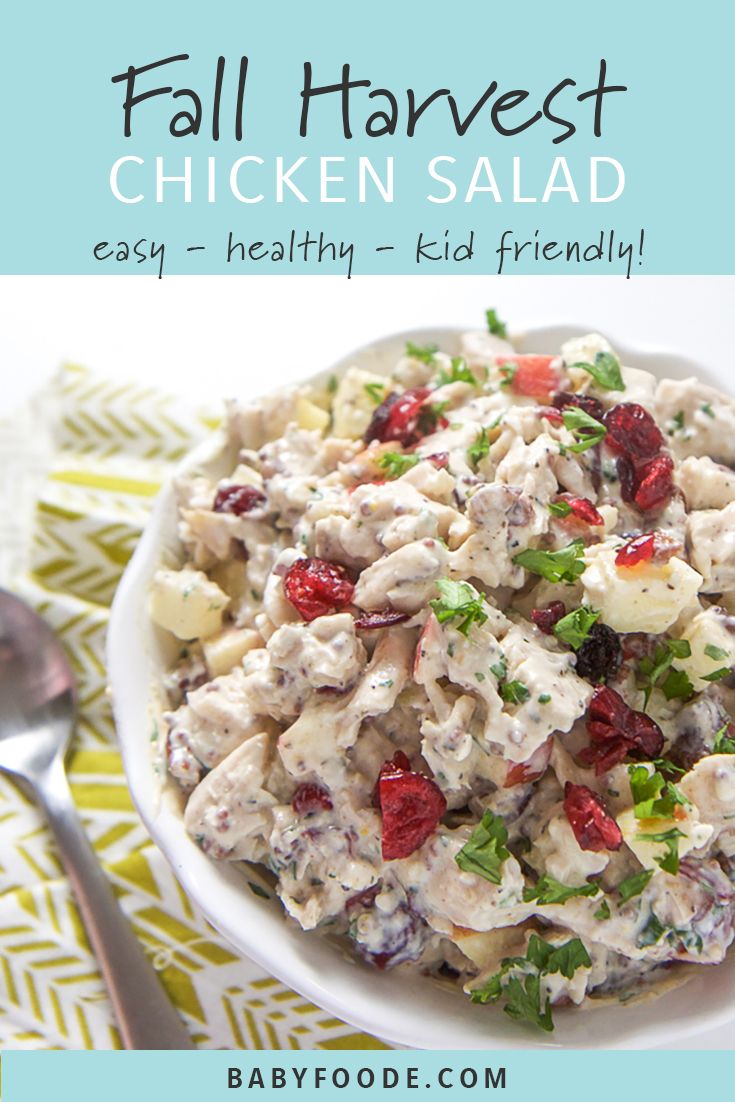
309	415
186	603
358	395
225	651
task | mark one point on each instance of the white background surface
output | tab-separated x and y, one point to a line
225	336
228	335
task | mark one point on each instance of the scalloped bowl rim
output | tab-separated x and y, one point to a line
404	1010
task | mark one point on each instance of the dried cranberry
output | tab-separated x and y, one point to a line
646	737
311	797
605	755
626	478
533	377
617	731
440	460
635	646
399	763
238	499
552	415
563	399
524	772
632	431
411	806
647	484
609	716
654	483
364	899
599	657
593	828
380	618
545	618
398	417
378	429
582	508
317	588
402	939
607	707
637	550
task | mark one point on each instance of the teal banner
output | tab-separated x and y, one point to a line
328	1076
474	137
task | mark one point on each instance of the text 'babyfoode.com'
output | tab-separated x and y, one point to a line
367	1078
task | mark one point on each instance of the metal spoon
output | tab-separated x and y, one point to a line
37	712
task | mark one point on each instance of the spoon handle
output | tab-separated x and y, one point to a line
146	1017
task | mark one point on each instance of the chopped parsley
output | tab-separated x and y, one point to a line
723	744
548	890
519	979
655	931
514	692
603	911
717	654
634	885
651	669
560	508
479	675
459	372
605	371
717	675
564	565
653	797
665	765
586	430
574	628
424	353
669	838
545	698
652	932
376	391
495	326
522	998
508	371
458	599
707	408
500	668
431	415
677	421
396	463
257	890
679	648
485	850
677	685
332	384
479	448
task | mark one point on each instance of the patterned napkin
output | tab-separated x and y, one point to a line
79	472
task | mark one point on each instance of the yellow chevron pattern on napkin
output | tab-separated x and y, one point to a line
112	446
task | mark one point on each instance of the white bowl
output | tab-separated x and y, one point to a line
399	1008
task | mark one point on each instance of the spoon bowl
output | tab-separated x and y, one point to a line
37	693
37	713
